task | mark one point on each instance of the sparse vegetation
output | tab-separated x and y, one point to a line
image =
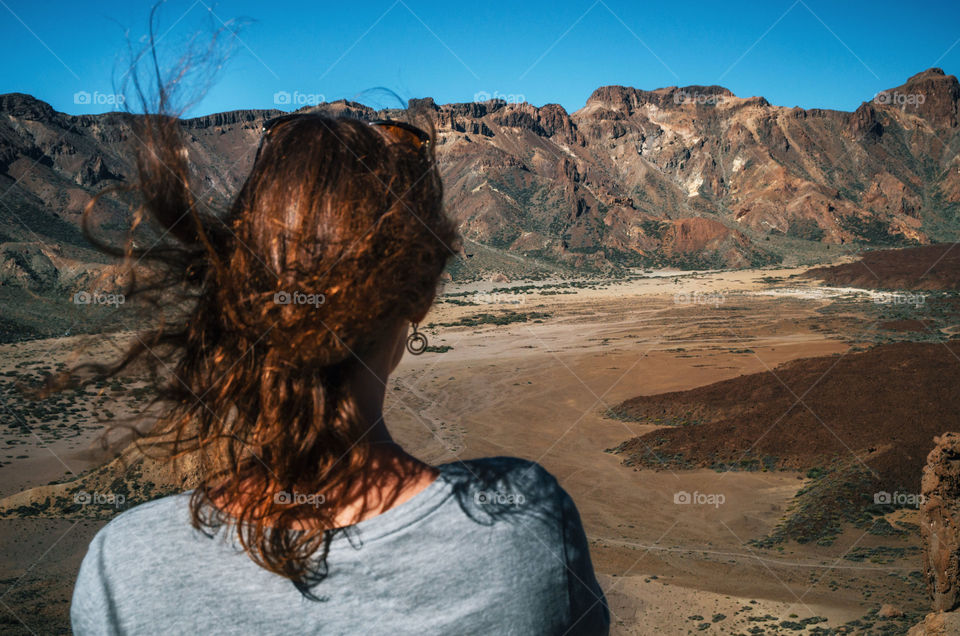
503	318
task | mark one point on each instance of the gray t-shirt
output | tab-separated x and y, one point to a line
493	546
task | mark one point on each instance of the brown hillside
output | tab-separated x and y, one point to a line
884	405
926	267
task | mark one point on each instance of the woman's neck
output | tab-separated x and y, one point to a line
390	476
393	478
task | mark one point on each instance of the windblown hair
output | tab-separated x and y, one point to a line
255	388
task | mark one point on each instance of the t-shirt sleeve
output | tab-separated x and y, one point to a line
90	611
589	613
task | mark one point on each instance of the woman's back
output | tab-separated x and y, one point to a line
492	546
288	312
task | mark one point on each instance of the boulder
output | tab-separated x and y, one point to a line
889	611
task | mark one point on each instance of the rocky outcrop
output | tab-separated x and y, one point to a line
27	265
26	107
937	624
865	123
554	120
683	176
932	95
940	537
230	118
940	522
94	171
707	238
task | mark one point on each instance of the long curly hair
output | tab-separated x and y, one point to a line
337	234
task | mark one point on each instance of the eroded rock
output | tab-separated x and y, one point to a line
937	624
940	522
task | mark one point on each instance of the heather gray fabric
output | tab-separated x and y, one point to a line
493	546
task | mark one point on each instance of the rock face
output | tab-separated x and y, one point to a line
937	624
931	95
940	536
52	164
940	522
687	176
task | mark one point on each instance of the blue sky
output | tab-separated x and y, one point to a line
810	53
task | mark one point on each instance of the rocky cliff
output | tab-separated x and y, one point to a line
940	536
940	522
691	176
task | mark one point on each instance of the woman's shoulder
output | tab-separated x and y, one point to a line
159	515
506	483
503	464
151	533
499	470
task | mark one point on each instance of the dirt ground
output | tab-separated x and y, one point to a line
541	388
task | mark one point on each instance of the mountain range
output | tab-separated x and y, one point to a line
690	177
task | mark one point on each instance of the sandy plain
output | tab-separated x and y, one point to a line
540	388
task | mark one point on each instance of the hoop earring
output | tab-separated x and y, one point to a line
416	342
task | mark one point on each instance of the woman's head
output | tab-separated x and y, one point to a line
335	242
339	233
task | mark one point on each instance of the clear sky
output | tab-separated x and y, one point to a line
809	53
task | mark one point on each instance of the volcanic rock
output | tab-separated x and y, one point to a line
677	176
940	522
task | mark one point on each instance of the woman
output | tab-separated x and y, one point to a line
308	517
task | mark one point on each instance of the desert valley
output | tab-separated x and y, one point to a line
623	388
727	327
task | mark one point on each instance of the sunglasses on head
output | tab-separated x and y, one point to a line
403	131
398	130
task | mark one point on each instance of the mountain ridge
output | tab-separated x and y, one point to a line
683	176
